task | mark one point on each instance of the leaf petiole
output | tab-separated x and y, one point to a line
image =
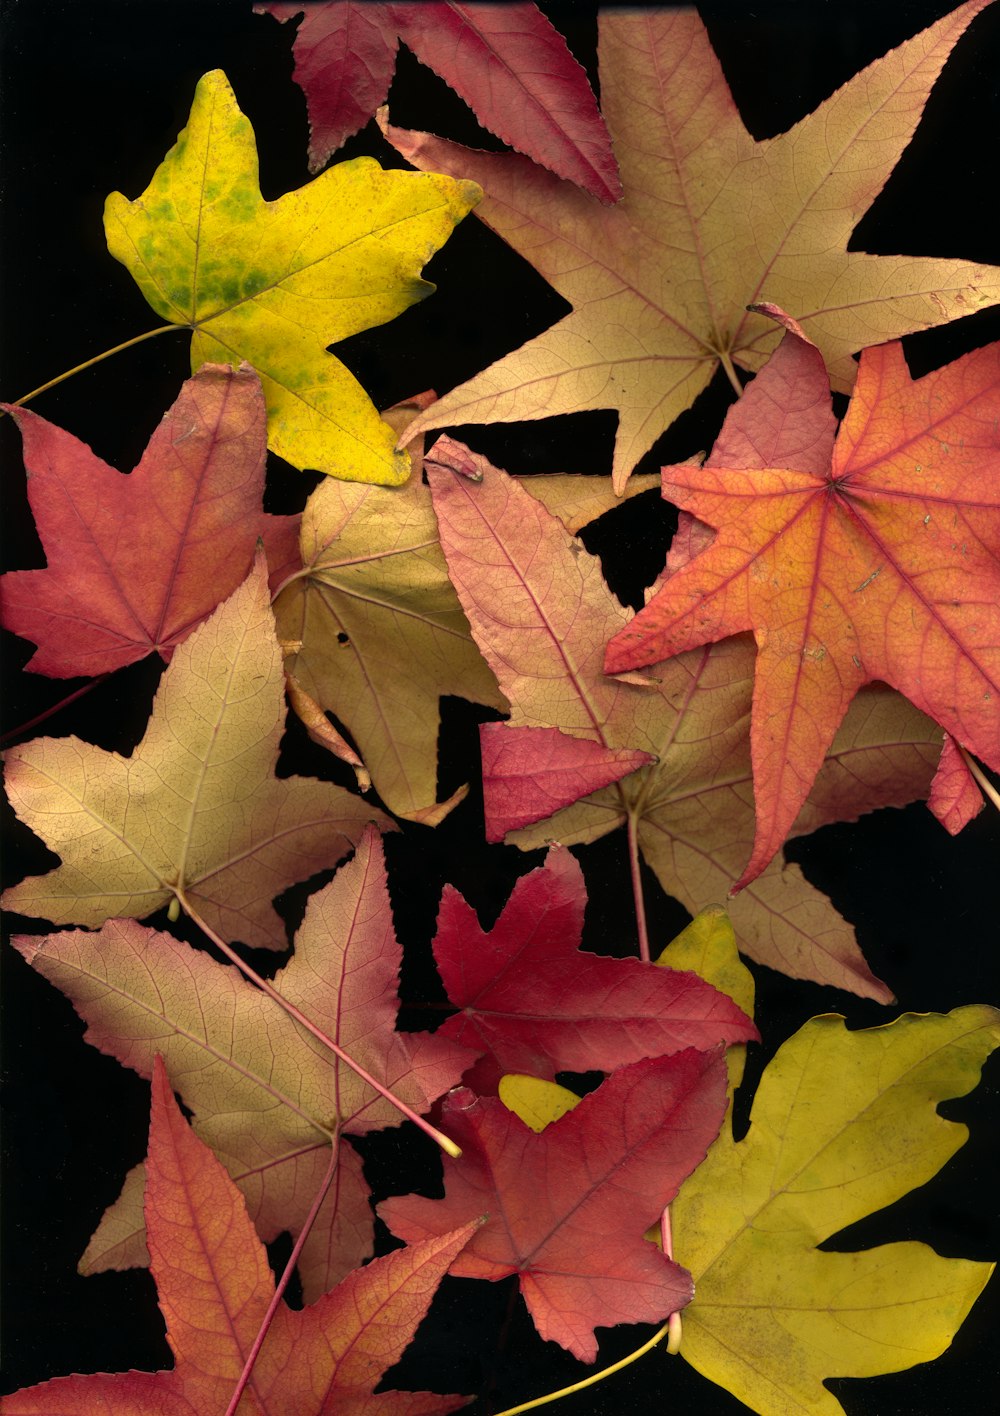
637	895
89	363
619	1366
437	1136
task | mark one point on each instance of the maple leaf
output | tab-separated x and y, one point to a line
774	1315
882	565
534	1002
508	62
264	1094
276	282
568	1208
540	610
135	563
712	221
381	633
214	1286
196	808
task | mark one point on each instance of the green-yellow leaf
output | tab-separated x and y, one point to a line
707	947
274	283
382	634
843	1124
196	808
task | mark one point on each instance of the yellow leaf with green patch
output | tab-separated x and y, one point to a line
843	1124
274	283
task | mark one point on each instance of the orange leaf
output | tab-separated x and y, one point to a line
881	567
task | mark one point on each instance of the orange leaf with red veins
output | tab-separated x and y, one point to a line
711	222
264	1094
534	1002
568	1208
214	1286
881	567
196	809
509	63
539	609
135	563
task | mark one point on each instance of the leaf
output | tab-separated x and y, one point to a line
843	1124
135	563
534	1002
276	282
568	1208
214	1286
880	567
712	221
955	797
197	807
507	61
264	1094
539	610
382	633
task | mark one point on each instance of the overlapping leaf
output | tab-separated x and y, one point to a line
274	283
381	633
534	1002
197	808
214	1287
507	61
135	563
879	564
568	1208
540	611
266	1096
712	221
843	1123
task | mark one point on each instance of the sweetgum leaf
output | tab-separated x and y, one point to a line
534	1002
264	1093
275	282
880	565
712	222
507	61
540	610
135	563
381	634
568	1208
197	807
214	1286
843	1123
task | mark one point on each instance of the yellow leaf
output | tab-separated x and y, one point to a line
274	283
382	634
843	1124
536	1101
708	948
197	806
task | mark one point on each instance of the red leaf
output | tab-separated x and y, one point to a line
535	1003
955	796
529	773
508	62
880	567
568	1207
214	1285
135	563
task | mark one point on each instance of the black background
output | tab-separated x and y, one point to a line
93	96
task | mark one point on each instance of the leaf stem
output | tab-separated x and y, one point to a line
282	1284
730	370
637	895
50	712
987	787
97	359
437	1136
596	1377
674	1321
